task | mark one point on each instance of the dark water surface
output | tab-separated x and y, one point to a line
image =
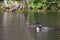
22	26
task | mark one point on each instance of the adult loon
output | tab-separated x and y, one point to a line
40	28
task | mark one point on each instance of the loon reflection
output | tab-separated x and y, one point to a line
40	28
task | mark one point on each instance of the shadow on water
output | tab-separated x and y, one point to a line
22	26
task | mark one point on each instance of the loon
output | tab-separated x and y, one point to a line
40	28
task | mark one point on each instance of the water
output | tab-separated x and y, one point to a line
47	19
22	26
13	26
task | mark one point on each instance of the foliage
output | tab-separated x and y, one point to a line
58	3
35	4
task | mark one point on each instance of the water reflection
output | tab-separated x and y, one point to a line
16	27
5	19
22	26
50	19
44	32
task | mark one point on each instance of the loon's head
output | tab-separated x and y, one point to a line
39	26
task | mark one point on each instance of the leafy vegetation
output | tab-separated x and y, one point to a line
38	4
